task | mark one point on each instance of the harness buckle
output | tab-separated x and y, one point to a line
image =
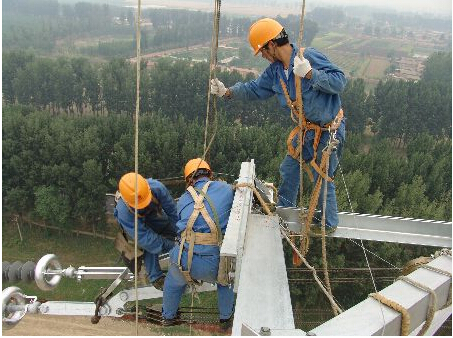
199	206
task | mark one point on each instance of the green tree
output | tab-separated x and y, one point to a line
52	206
12	62
354	101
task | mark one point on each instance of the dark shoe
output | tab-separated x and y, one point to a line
226	324
316	230
171	322
159	283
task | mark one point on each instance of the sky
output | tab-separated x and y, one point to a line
438	7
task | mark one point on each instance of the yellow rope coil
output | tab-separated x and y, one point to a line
405	316
432	308
442	272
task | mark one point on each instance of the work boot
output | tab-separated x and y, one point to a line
226	324
159	283
173	321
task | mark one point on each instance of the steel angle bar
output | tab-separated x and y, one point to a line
233	241
439	319
114	307
263	298
382	228
370	318
67	308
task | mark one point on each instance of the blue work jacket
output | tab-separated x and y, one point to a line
320	94
148	239
221	195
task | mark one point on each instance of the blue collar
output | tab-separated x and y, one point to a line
202	180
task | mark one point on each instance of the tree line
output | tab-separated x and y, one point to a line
62	166
395	109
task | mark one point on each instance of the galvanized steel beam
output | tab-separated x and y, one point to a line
382	228
263	298
233	241
370	318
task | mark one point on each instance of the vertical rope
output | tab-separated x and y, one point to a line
137	110
323	232
305	231
301	27
212	69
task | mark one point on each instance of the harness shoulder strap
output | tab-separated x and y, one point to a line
188	235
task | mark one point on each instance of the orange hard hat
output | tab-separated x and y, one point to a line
195	164
127	190
262	31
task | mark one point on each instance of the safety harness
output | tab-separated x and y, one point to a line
214	237
294	152
303	126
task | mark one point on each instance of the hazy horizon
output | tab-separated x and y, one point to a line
436	7
439	7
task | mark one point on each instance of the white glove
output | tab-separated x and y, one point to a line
301	66
217	87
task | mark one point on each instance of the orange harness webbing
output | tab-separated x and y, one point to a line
294	152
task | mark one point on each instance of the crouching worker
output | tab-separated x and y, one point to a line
156	223
203	212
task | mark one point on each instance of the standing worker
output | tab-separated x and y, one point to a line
203	213
322	82
156	228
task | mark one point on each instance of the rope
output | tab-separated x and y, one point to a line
313	270
212	68
257	195
361	241
301	26
432	303
328	291
323	233
304	242
442	272
137	111
405	317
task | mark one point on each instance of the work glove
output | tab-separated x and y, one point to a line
301	66
217	87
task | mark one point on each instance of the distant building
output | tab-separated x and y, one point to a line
409	68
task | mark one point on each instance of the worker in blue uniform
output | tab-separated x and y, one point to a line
322	82
203	213
157	217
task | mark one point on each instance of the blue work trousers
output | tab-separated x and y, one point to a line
290	180
205	268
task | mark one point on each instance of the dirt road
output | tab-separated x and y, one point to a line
49	325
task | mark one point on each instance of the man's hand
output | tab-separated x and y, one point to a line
218	88
301	66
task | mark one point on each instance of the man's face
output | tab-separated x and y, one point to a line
268	52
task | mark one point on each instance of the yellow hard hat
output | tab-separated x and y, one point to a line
127	190
195	164
262	31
